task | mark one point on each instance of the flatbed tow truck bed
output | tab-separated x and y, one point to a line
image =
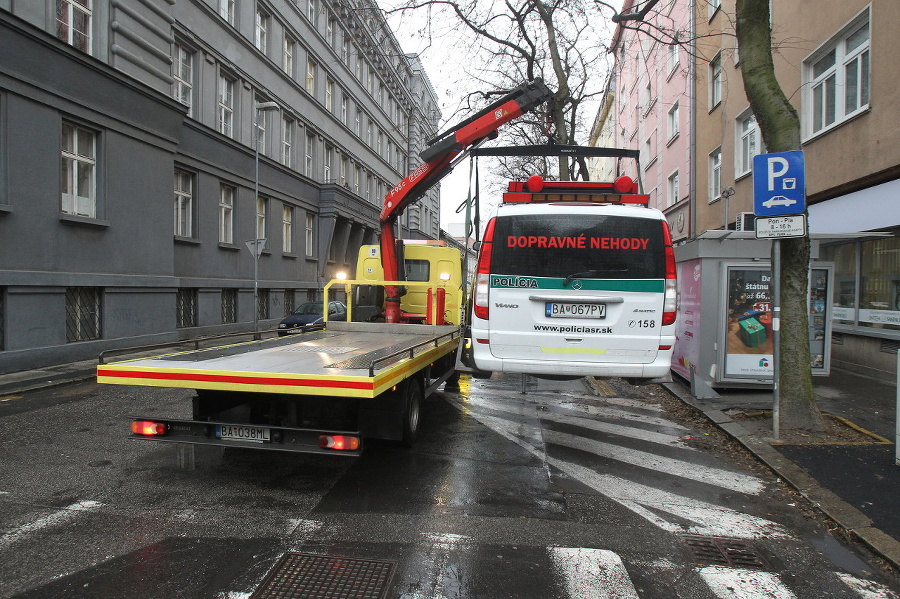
286	393
345	360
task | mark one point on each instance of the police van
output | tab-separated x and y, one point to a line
575	279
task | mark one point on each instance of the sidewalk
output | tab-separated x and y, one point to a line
856	485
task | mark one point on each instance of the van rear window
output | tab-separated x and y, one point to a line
587	245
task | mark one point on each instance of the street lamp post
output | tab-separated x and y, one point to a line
257	243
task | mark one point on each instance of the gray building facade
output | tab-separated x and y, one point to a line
128	164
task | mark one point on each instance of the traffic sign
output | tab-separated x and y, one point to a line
256	246
768	227
779	184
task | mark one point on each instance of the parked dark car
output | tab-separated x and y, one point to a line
308	317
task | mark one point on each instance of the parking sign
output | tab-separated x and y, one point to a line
779	184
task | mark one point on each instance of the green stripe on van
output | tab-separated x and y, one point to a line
636	285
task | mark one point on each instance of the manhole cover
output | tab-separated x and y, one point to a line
310	576
718	551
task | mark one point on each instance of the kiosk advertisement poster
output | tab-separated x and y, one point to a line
687	326
748	327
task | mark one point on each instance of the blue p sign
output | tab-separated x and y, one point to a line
779	184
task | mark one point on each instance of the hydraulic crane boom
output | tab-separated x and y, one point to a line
438	160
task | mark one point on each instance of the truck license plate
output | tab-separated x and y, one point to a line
255	434
567	310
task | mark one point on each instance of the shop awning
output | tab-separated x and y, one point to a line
869	209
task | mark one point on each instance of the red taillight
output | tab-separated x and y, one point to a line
670	303
481	297
148	428
339	442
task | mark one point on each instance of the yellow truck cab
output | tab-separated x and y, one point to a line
424	262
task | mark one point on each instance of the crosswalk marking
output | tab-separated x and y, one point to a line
617	429
592	573
866	589
54	519
739	583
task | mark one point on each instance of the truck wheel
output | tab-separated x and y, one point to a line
411	409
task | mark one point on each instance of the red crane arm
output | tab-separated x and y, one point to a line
438	158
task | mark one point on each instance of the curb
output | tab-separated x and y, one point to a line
850	519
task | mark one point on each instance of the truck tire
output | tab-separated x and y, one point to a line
412	406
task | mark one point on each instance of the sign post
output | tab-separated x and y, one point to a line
779	198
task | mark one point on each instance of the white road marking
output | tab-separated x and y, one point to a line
725	479
434	574
866	589
303	528
738	583
709	519
60	516
617	429
592	573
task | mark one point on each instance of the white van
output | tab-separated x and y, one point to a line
575	289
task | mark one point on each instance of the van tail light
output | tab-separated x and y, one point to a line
670	303
482	292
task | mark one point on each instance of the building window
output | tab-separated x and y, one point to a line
712	6
715	81
229	306
262	29
226	105
83	315
672	190
345	164
358	67
311	11
344	108
357	177
837	78
329	94
186	307
184	203
674	121
310	248
327	163
79	171
287	140
262	304
261	218
261	122
287	55
73	23
288	301
331	32
310	148
287	237
226	10
345	50
370	141
715	174
311	77
226	213
748	144
183	74
673	55
357	124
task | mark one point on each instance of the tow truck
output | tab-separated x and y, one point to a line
364	378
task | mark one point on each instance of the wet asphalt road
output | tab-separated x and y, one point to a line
566	491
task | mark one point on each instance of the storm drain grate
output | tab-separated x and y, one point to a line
310	576
718	551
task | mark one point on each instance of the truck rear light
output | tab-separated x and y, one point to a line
339	442
148	428
482	294
670	303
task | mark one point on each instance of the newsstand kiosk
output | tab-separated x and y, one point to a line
724	325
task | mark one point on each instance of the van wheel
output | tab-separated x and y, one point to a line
412	406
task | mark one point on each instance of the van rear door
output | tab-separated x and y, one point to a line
577	283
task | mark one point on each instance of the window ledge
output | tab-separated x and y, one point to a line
738	177
187	240
289	255
312	259
229	246
83	221
714	200
714	106
6	208
673	138
837	124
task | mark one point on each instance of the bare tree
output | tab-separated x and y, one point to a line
522	40
780	128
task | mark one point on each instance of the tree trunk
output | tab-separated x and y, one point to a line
780	128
